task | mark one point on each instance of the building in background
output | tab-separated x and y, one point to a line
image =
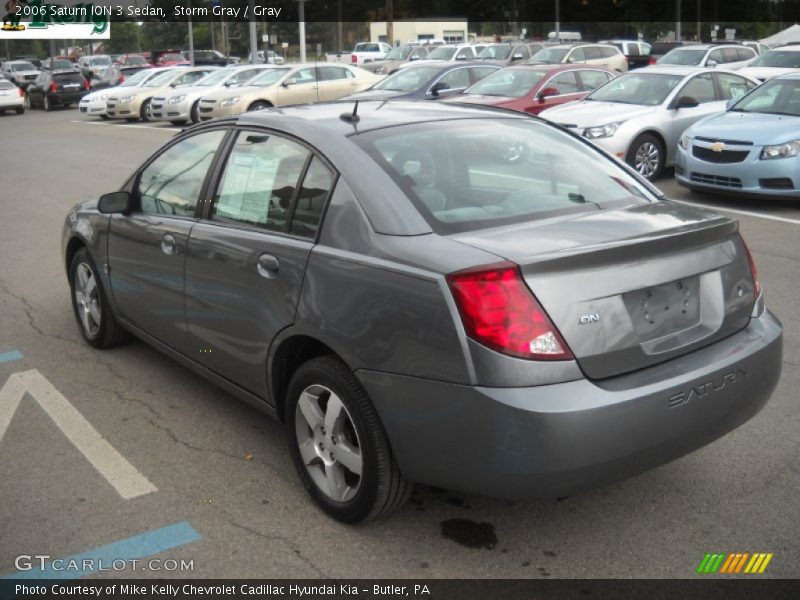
451	32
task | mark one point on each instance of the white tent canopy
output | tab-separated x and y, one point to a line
790	34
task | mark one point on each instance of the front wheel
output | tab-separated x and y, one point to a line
647	156
146	113
259	105
338	444
90	304
195	114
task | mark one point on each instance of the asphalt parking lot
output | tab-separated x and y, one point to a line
210	479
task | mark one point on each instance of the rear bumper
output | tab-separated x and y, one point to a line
67	97
555	440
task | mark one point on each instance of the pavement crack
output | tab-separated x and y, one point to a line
29	309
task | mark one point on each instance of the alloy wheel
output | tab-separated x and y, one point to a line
87	299
647	159
328	443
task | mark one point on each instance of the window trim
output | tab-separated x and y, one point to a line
553	76
219	168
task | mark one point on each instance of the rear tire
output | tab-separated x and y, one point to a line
95	318
334	432
179	122
20	110
647	156
46	104
104	117
195	113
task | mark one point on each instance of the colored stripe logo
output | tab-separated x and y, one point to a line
734	563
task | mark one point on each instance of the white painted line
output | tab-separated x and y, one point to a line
105	124
747	213
121	474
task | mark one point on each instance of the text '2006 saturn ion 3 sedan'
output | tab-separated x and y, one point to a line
454	296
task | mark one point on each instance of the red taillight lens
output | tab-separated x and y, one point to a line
53	87
353	58
652	60
86	84
753	269
499	311
21	92
121	79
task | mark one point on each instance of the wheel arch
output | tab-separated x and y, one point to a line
73	245
260	100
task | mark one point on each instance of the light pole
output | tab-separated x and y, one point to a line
253	34
558	24
302	27
677	20
191	36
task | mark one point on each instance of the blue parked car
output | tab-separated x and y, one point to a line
752	149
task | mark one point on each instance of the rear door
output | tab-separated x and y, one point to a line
335	82
246	262
147	248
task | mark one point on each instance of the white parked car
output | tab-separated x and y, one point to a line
780	61
449	53
94	104
92	66
183	104
368	51
729	56
270	57
640	116
11	97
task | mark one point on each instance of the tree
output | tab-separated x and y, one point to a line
124	38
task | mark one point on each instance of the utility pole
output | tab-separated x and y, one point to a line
390	22
302	29
339	27
253	34
699	27
191	36
558	24
677	20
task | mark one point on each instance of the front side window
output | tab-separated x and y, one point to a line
259	181
577	55
477	173
701	88
457	79
646	89
565	83
170	185
303	76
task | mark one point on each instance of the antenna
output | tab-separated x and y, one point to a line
351	117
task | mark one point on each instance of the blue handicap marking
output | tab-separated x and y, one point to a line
10	355
136	547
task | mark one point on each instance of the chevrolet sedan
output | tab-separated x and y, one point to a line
639	117
461	297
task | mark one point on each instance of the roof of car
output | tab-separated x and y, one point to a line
678	69
372	114
787	48
793	76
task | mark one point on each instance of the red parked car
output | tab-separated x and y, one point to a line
533	88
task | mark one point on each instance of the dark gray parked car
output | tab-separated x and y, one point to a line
455	296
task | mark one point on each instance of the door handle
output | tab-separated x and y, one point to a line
169	244
268	266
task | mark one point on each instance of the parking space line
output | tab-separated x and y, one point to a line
746	213
10	355
129	125
121	474
133	548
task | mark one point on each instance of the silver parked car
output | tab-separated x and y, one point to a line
729	56
639	117
455	296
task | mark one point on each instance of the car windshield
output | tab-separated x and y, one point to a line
161	80
136	79
776	97
101	61
777	58
680	56
270	77
62	64
442	53
408	80
468	174
646	89
507	82
400	53
550	55
135	60
21	66
498	51
215	78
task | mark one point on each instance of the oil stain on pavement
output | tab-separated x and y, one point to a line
470	534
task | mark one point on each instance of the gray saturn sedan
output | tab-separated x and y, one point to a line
462	297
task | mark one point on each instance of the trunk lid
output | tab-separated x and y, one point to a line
631	287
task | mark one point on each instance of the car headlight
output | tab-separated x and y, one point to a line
230	101
602	131
787	150
126	99
176	99
379	71
685	141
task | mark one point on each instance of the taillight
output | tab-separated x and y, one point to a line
353	58
86	84
499	311
21	92
121	79
753	270
53	87
652	60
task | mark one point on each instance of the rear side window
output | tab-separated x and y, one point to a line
745	53
701	88
333	73
311	199
730	55
259	181
470	174
565	83
733	86
593	79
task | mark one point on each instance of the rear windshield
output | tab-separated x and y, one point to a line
68	77
475	174
680	56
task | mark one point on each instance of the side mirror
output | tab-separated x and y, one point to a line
114	202
686	102
286	83
546	92
711	63
438	87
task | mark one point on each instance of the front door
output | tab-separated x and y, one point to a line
701	88
299	88
147	248
246	263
